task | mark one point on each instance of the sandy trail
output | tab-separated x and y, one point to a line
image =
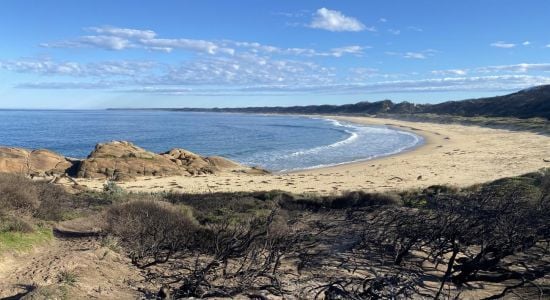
99	272
452	154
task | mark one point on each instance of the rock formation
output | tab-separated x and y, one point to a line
32	163
117	160
124	161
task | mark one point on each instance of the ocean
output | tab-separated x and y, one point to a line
273	142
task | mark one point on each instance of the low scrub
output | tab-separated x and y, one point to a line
22	196
220	207
153	231
19	194
15	224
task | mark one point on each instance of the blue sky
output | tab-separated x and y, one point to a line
96	54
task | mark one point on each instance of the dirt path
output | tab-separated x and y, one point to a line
69	267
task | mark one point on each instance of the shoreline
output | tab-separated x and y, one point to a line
424	140
451	154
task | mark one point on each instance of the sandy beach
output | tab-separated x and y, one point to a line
454	155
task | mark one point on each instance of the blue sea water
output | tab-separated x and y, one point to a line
277	143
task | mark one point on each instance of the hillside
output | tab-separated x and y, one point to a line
529	103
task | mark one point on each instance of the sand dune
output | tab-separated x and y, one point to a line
452	154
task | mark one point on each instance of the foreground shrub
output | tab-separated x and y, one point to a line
222	207
15	224
55	202
18	193
494	233
362	199
346	200
152	231
236	258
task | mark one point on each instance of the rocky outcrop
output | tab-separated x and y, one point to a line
124	161
117	160
32	163
121	161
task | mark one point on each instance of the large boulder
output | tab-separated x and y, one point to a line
32	162
120	160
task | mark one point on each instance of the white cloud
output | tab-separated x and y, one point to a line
77	85
394	31
548	46
362	74
414	28
333	20
339	52
514	68
95	41
382	20
458	72
501	44
176	91
250	74
526	43
113	38
185	44
242	70
258	48
98	69
484	83
123	32
107	42
414	54
517	68
433	85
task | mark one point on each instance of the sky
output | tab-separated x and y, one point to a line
99	54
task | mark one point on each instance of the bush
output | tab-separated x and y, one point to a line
362	199
113	191
18	193
344	201
55	203
21	195
219	207
152	231
15	224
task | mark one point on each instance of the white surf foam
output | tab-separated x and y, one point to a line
356	132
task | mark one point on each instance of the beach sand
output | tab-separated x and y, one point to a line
454	155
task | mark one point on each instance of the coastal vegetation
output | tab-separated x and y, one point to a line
525	104
483	241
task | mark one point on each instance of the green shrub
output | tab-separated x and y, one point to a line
113	191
